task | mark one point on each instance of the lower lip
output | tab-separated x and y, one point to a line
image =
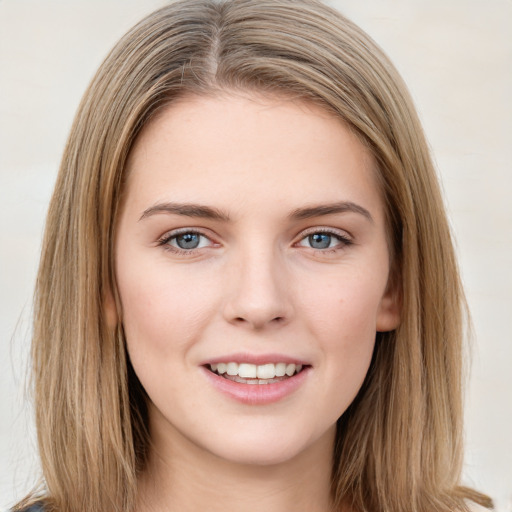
257	394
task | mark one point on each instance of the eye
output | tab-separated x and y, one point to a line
185	241
322	240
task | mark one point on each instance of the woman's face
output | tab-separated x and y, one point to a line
252	267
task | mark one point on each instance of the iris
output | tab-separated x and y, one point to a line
188	240
319	240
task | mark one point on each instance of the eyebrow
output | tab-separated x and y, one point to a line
330	209
208	212
186	209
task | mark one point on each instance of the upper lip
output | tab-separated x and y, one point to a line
257	359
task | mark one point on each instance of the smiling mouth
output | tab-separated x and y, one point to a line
246	373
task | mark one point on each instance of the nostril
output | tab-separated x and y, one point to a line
257	324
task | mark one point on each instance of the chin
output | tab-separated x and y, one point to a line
270	449
257	456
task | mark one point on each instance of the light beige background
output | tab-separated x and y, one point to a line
456	56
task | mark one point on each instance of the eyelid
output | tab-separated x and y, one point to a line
342	233
163	240
345	239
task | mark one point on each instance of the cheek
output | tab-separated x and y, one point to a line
342	318
163	317
345	305
163	311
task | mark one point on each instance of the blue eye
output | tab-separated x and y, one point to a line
184	241
320	240
188	240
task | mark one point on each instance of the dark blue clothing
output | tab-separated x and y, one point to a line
37	507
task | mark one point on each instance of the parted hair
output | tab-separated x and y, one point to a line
399	445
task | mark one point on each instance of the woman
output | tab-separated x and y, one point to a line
248	296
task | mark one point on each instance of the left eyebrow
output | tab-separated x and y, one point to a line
330	209
187	210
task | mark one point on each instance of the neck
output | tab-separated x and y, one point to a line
182	476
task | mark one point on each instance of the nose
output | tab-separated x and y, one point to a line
259	292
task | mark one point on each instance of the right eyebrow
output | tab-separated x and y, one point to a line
187	210
330	209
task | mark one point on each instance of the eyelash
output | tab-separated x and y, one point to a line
164	241
343	239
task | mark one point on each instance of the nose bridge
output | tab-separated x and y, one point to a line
259	288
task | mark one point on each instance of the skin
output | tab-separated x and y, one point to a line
254	285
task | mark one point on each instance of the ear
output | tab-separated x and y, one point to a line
110	310
390	308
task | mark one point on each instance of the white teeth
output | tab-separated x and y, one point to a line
290	369
280	369
263	372
236	378
266	371
247	371
232	369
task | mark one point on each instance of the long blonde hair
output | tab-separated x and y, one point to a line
398	446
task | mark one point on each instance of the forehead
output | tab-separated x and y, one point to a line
205	148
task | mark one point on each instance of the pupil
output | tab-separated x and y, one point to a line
187	241
320	240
